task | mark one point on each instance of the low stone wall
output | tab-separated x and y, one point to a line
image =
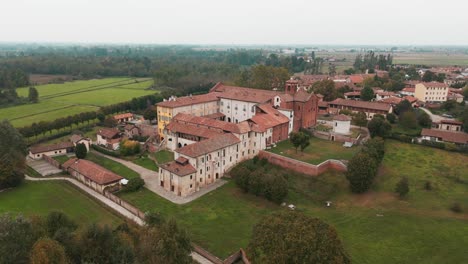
51	161
207	254
125	205
300	166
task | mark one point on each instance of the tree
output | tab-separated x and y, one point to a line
110	122
292	237
149	114
56	221
81	151
33	95
402	107
402	187
464	119
408	120
367	94
326	88
361	172
378	126
129	147
375	147
48	251
424	120
391	118
16	239
12	155
299	139
241	177
360	119
167	244
305	141
101	117
429	76
134	185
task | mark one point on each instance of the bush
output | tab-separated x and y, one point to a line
402	187
134	184
81	151
456	208
391	118
362	169
129	147
428	186
105	151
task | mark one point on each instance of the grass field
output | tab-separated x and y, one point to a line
40	198
61	100
146	163
61	159
112	166
318	151
164	156
441	59
375	227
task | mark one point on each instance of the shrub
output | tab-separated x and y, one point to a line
428	186
391	118
134	184
81	151
105	151
402	187
362	169
129	147
456	208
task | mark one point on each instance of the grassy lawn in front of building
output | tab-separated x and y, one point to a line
318	151
40	198
164	156
61	159
376	227
113	166
146	163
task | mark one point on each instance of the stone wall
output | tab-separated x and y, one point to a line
51	161
302	167
125	205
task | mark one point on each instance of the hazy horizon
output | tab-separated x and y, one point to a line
240	23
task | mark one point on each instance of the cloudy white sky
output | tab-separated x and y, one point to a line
391	22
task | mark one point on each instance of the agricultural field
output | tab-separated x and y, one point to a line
40	198
69	98
318	151
376	227
431	59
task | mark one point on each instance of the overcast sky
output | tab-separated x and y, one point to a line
390	22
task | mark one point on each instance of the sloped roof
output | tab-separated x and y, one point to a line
122	116
109	132
92	171
189	100
46	148
302	96
449	136
361	104
208	145
244	93
191	129
434	84
179	168
342	118
201	121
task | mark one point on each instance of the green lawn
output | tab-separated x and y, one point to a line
146	163
61	159
61	100
112	166
318	151
375	227
40	198
164	156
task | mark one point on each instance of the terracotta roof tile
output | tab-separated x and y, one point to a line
109	132
189	100
448	136
92	171
208	145
342	118
244	94
361	104
451	122
122	116
46	148
178	168
191	129
201	121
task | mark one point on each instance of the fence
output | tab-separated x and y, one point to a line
300	166
125	205
234	258
51	161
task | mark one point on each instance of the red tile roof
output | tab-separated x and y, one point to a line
191	129
410	98
215	115
269	117
409	89
391	100
208	145
356	78
122	116
434	84
92	171
342	118
451	122
179	168
244	94
47	148
108	132
361	104
201	121
352	94
448	136
189	100
302	96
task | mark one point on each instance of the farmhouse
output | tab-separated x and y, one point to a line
369	108
123	118
78	139
448	125
92	175
62	148
431	92
109	138
131	130
408	91
438	135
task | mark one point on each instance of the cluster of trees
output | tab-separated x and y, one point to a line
362	168
328	89
429	76
129	147
10	79
300	139
371	61
259	178
293	237
12	156
379	127
409	117
263	77
58	239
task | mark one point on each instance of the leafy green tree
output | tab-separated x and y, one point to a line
81	151
48	251
424	120
275	187
292	237
154	219
408	119
360	119
402	187
16	239
380	127
375	147
429	76
101	117
326	88
299	139
149	114
391	118
402	107
134	185
367	94
12	155
464	119
362	169
33	95
241	177
58	220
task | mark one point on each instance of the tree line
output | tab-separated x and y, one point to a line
10	79
371	61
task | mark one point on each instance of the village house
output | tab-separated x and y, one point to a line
408	91
58	149
341	124
109	138
124	118
131	130
79	139
438	135
92	175
369	108
431	92
448	125
455	97
381	95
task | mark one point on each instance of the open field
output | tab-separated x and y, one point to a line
376	227
40	198
146	162
113	166
61	100
430	59
318	151
164	156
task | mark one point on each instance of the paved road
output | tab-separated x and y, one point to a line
434	118
197	257
152	182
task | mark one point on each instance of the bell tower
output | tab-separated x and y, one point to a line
291	86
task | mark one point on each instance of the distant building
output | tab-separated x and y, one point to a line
123	118
369	108
408	91
62	148
431	92
109	138
448	125
438	135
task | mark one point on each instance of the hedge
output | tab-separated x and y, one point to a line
105	151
